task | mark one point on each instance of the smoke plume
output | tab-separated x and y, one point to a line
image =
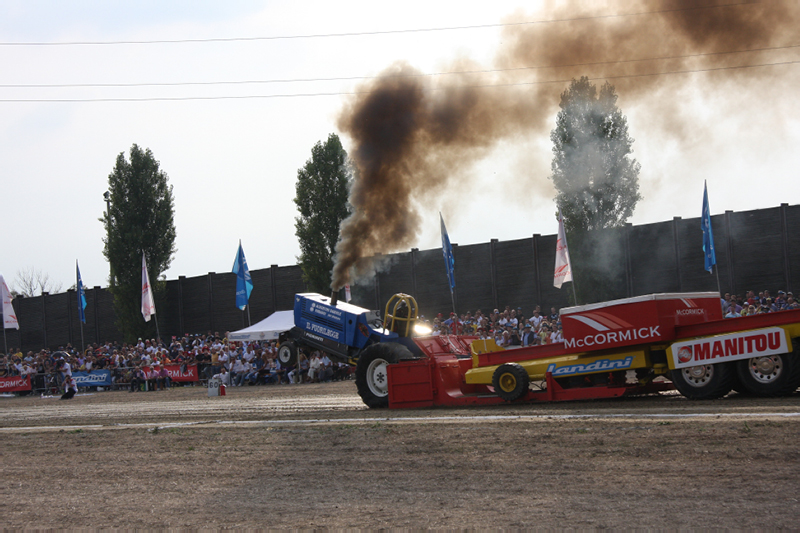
412	135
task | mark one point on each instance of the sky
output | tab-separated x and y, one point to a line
232	150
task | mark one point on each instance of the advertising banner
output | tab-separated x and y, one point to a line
101	378
731	347
15	384
175	373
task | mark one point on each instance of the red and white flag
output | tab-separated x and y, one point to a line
347	295
563	267
148	304
9	316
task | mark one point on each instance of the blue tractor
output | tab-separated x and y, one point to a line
354	335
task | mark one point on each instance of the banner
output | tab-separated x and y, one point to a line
563	272
9	316
175	373
15	384
148	303
101	378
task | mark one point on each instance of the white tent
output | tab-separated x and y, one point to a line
266	330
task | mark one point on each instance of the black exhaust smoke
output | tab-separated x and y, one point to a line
413	135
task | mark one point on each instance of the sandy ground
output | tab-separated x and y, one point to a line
312	456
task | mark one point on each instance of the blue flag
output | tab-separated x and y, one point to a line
244	284
449	260
81	295
709	254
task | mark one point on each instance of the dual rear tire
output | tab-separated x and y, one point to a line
766	376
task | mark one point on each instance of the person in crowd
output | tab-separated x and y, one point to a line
271	374
536	319
238	372
326	370
163	380
255	368
528	336
139	377
314	367
557	335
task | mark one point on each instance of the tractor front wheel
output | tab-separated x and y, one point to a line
287	353
510	382
372	375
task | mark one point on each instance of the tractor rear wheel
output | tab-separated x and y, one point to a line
287	353
510	381
372	376
770	375
704	382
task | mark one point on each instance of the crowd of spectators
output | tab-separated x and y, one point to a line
734	306
508	328
141	365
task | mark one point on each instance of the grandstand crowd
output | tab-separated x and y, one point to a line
141	365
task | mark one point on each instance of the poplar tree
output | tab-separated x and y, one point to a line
323	184
140	218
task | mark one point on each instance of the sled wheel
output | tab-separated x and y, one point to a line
287	353
770	375
704	382
372	376
510	382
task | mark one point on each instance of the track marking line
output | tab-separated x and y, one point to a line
399	420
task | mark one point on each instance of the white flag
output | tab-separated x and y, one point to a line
148	305
347	295
9	316
563	267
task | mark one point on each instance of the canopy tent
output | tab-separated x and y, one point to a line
266	330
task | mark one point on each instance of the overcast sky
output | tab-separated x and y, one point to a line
233	161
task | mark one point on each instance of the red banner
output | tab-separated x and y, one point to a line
15	384
175	373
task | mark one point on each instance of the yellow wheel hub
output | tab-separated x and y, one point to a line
507	382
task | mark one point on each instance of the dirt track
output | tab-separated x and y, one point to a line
313	456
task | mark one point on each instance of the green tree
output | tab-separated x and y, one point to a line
140	218
321	199
597	184
596	178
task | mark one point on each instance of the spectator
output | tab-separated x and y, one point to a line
314	367
326	370
528	337
162	378
239	371
139	377
536	319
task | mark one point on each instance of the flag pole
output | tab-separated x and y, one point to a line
158	333
574	292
